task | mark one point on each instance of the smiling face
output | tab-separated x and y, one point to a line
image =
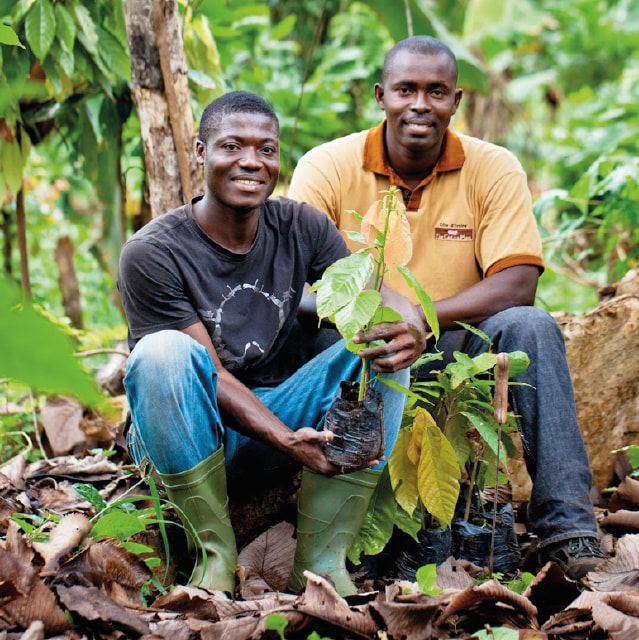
419	97
241	159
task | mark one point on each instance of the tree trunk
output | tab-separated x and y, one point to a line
161	94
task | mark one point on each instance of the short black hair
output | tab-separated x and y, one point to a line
234	102
425	45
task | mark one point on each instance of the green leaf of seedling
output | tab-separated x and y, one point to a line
357	313
426	578
424	300
496	633
355	236
519	362
377	528
519	585
118	525
276	622
341	283
488	433
386	314
136	547
477	332
89	493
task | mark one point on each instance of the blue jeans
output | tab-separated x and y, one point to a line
560	506
176	423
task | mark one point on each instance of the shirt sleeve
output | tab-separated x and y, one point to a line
152	289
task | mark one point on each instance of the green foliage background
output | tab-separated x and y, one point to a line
554	80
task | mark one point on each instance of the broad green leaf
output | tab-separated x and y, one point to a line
341	282
498	633
403	473
484	362
117	524
386	314
9	36
87	28
39	28
276	622
39	353
438	476
89	493
65	27
284	27
113	56
426	578
378	524
357	313
411	525
488	434
424	300
136	547
11	165
519	362
478	332
456	430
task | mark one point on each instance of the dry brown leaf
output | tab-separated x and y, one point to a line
194	602
622	519
620	573
116	571
60	418
267	561
413	621
320	600
12	474
26	598
490	591
93	606
619	625
628	491
65	536
58	497
96	465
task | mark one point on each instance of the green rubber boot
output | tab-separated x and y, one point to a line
200	493
330	513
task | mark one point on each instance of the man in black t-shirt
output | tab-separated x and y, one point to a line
211	292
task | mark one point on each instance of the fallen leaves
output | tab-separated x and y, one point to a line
58	581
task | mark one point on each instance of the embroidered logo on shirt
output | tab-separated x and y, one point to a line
453	232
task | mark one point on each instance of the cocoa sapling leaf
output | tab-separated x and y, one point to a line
519	362
438	475
341	282
426	577
403	473
357	313
377	528
117	524
424	300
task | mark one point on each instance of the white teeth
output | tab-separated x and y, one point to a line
249	182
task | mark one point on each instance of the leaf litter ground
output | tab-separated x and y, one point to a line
57	582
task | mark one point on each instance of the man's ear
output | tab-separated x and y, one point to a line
379	95
200	151
458	96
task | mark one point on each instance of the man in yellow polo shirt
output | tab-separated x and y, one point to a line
477	252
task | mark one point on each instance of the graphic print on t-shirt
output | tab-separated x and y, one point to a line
246	323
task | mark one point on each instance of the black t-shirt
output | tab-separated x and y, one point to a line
172	275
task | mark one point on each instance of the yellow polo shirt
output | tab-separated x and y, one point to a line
470	218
